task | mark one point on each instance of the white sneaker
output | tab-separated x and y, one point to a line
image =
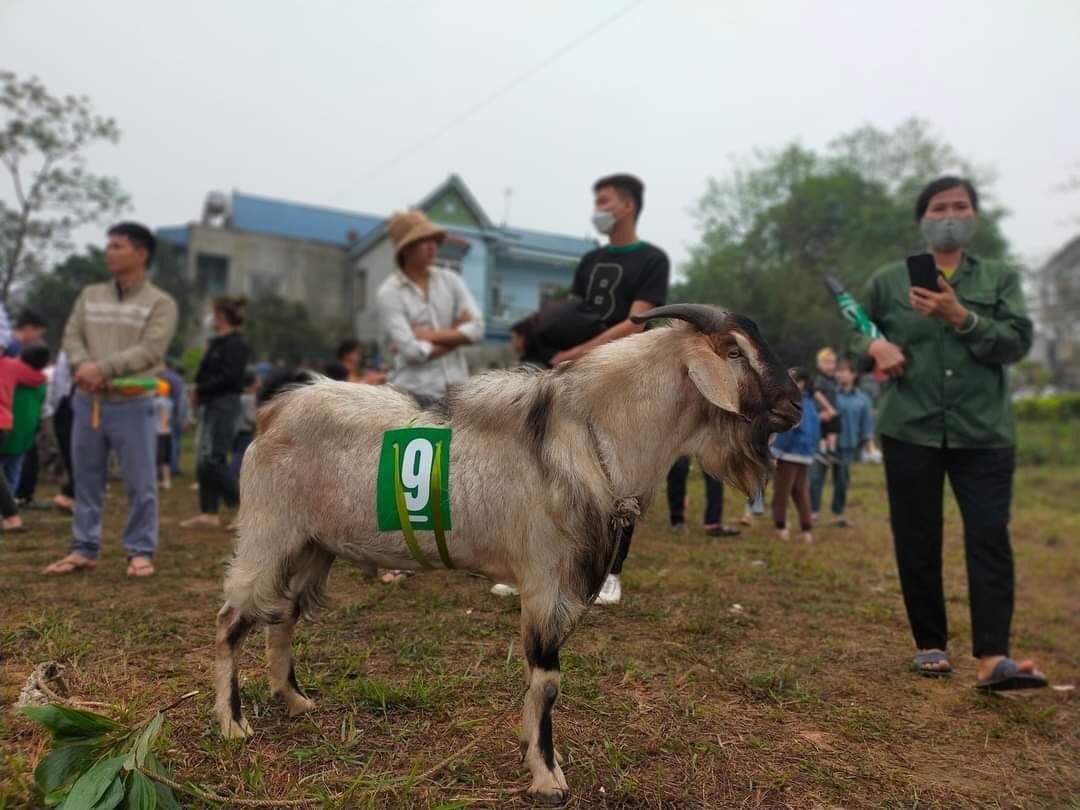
611	593
504	590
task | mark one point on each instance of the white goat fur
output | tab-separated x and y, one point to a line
537	460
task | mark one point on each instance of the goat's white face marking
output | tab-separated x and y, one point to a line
750	351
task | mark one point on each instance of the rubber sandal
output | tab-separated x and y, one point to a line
140	567
722	530
69	565
1007	677
920	661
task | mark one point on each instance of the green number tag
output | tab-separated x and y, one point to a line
413	488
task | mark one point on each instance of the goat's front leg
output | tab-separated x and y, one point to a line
537	742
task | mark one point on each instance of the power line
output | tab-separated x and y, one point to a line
499	92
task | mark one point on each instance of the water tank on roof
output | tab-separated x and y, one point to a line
216	209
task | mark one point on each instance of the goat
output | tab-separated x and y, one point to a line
547	468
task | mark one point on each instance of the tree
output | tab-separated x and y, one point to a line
53	294
43	139
778	224
281	331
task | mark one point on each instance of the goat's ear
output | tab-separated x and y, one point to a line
714	378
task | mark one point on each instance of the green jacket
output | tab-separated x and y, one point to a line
26	414
953	391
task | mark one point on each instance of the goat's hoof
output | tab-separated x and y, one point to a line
549	788
236	729
300	705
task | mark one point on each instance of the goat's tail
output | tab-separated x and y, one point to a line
271	591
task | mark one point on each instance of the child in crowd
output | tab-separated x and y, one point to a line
825	398
163	408
26	370
794	453
856	433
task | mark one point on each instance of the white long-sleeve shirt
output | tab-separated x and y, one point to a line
403	306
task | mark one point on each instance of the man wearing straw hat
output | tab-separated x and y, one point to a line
426	312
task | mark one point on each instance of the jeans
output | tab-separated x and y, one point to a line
982	481
219	418
63	420
239	447
676	494
128	429
13	468
841	473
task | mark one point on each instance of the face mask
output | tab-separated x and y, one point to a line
947	234
603	221
208	323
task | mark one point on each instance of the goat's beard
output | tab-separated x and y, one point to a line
737	451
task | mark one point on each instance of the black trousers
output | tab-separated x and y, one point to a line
28	477
982	481
218	430
676	494
63	419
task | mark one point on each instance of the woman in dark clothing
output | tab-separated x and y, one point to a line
218	386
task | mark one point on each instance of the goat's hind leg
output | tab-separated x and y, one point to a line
232	629
542	631
282	673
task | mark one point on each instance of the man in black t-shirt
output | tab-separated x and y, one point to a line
624	277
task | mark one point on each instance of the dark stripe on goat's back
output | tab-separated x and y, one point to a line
537	417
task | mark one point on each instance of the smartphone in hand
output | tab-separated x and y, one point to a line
923	272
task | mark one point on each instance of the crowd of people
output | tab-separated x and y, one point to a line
943	412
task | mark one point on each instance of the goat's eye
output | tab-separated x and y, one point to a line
734	354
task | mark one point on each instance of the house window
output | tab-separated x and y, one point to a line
212	274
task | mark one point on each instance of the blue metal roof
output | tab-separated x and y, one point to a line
297	221
544	242
175	235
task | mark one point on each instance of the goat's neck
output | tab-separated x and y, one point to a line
642	407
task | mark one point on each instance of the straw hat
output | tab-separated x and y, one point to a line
412	226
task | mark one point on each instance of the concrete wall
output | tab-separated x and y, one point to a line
307	272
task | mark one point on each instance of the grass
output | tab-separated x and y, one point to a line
799	698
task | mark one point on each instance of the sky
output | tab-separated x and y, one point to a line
368	106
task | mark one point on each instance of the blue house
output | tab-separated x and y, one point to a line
333	261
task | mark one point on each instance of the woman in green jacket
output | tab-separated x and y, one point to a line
945	412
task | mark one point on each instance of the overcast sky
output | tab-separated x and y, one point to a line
313	101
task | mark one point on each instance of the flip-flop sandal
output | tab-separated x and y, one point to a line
16	530
140	567
69	565
1007	677
920	661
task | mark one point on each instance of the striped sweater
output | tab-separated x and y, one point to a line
125	332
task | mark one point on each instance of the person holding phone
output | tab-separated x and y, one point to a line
945	411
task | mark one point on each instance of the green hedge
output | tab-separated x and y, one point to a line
1049	409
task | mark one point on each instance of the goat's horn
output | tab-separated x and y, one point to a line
703	317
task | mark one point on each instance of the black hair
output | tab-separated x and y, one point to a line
231	309
843	361
336	371
29	317
347	346
250	377
625	185
36	355
139	236
946	183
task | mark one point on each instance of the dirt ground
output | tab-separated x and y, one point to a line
741	672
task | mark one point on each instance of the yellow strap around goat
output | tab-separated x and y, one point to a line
436	506
403	514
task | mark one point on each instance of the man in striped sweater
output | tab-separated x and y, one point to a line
119	328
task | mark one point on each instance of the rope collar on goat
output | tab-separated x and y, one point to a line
626	509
